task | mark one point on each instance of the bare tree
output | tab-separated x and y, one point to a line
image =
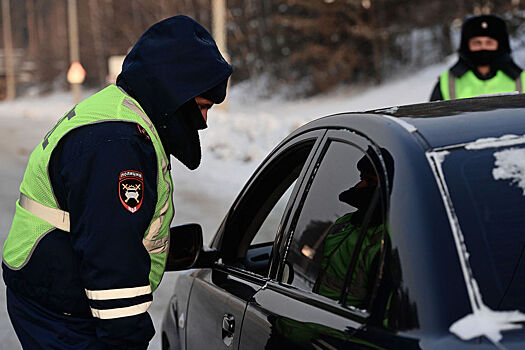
311	44
98	44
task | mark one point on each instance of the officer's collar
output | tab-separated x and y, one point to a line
462	66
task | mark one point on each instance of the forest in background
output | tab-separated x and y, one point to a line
304	46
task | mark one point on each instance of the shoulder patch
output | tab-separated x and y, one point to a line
131	189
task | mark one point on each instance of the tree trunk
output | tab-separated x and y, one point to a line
446	40
31	29
377	43
97	40
8	51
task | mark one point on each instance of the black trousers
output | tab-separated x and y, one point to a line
39	328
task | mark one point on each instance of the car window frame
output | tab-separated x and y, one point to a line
345	135
315	136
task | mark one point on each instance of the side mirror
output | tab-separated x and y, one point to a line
186	250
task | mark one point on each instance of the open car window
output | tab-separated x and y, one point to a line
249	231
266	232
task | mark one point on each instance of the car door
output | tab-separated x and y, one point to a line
245	242
322	292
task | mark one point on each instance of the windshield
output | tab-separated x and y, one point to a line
487	188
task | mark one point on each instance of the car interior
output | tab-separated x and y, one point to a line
251	230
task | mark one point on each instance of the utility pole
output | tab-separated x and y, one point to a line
220	33
74	54
8	51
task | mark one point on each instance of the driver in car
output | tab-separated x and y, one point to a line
345	235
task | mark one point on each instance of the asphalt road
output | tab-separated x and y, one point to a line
18	136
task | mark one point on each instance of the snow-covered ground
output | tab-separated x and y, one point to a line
237	139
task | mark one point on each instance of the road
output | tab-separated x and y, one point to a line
19	135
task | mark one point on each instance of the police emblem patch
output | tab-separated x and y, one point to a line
131	189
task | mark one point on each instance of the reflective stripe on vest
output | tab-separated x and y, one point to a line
37	212
55	217
152	242
119	293
469	85
133	310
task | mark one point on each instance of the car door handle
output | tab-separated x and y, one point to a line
228	329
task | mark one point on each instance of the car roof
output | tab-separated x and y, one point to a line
445	123
441	123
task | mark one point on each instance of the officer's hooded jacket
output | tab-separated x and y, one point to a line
463	80
69	279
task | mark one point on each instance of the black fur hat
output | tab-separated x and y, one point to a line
486	25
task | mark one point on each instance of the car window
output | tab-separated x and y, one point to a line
266	232
487	189
336	243
250	232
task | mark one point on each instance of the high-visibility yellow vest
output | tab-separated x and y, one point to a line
469	85
37	211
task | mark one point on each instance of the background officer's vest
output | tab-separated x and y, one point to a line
468	85
37	211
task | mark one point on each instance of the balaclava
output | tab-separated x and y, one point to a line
361	198
174	61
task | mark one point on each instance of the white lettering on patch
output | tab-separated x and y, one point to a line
130	173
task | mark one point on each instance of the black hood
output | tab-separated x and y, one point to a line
171	63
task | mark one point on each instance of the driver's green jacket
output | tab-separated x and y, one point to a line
339	246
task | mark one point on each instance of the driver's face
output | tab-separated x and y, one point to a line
367	180
204	105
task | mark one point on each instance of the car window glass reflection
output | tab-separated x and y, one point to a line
357	234
339	232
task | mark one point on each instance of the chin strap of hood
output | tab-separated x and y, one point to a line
179	134
174	61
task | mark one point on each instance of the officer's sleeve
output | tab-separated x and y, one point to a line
111	196
436	93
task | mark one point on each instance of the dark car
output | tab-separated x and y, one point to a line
401	228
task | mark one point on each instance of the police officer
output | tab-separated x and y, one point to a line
485	65
88	242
